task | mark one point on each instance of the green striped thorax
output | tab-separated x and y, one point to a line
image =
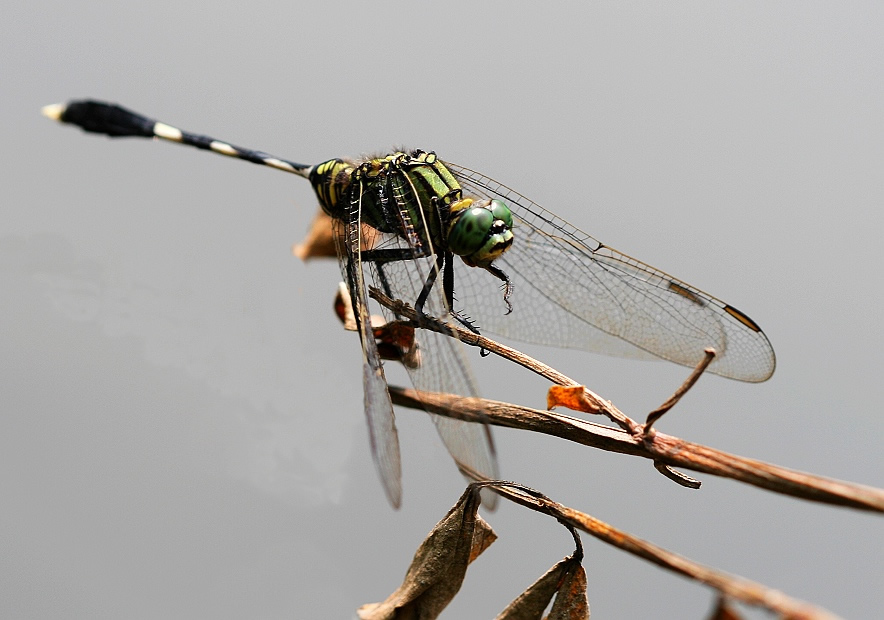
415	196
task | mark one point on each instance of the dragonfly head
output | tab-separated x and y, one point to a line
480	231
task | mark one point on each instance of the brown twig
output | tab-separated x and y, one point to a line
663	448
640	440
656	414
734	587
600	405
648	432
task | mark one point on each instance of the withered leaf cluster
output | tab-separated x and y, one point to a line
440	564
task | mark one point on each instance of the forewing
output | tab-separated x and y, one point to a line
572	291
378	406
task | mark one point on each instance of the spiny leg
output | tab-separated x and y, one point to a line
448	289
507	285
428	285
388	255
383	256
448	292
382	278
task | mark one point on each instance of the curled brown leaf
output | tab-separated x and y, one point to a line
439	565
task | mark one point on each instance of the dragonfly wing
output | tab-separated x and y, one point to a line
570	290
378	406
443	366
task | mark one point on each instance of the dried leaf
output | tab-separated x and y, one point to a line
401	332
344	307
396	342
533	602
566	581
724	611
395	339
439	565
571	601
571	396
483	536
320	241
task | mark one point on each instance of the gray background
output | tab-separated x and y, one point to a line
182	430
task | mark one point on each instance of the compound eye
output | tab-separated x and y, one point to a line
470	232
501	212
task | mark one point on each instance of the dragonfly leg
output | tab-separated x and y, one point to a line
380	257
428	285
447	279
466	322
385	283
448	288
388	255
507	285
444	263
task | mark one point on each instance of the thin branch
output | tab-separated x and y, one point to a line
648	432
676	476
656	414
734	587
662	448
598	404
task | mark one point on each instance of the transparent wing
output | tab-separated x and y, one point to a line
442	366
572	291
378	406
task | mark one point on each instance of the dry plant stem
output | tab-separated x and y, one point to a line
593	400
676	476
664	448
656	414
467	337
731	586
648	431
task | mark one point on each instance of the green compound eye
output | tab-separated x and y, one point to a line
501	212
471	231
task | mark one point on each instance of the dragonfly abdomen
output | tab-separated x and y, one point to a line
331	180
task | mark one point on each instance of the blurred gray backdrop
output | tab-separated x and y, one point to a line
182	432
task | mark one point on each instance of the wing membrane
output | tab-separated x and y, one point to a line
570	290
382	432
443	365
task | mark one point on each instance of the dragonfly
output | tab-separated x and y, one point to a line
446	237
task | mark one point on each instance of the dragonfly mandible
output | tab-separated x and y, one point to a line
518	270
